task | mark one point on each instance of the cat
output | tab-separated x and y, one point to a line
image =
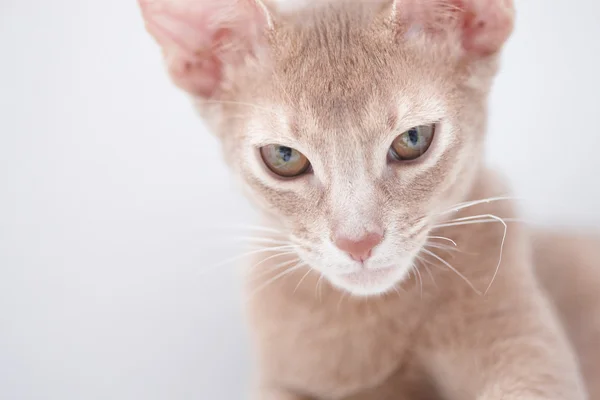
394	265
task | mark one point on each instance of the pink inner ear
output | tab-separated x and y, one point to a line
200	77
199	36
487	24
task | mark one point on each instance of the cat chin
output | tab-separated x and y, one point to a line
370	282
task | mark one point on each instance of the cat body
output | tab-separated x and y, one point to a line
392	262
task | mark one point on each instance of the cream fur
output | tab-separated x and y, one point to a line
339	81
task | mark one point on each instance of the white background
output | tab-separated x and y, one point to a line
110	191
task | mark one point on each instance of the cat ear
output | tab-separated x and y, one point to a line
483	25
200	38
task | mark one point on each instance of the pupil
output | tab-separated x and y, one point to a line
285	153
413	136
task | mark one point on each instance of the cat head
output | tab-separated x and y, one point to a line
353	124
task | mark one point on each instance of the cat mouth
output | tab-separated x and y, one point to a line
367	276
367	282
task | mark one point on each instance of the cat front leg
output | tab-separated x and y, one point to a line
504	346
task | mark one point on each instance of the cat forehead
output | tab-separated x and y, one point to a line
336	58
331	98
344	65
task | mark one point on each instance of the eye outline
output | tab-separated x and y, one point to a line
272	172
394	157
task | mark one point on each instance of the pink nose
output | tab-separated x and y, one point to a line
359	250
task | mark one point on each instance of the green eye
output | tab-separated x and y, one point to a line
413	143
284	161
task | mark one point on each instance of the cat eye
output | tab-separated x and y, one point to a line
284	161
413	143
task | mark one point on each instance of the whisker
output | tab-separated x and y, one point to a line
420	278
274	268
501	251
449	249
257	239
430	274
472	217
302	279
317	286
482	221
426	263
287	271
249	228
250	253
452	269
486	218
342	297
270	258
443	238
467	204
